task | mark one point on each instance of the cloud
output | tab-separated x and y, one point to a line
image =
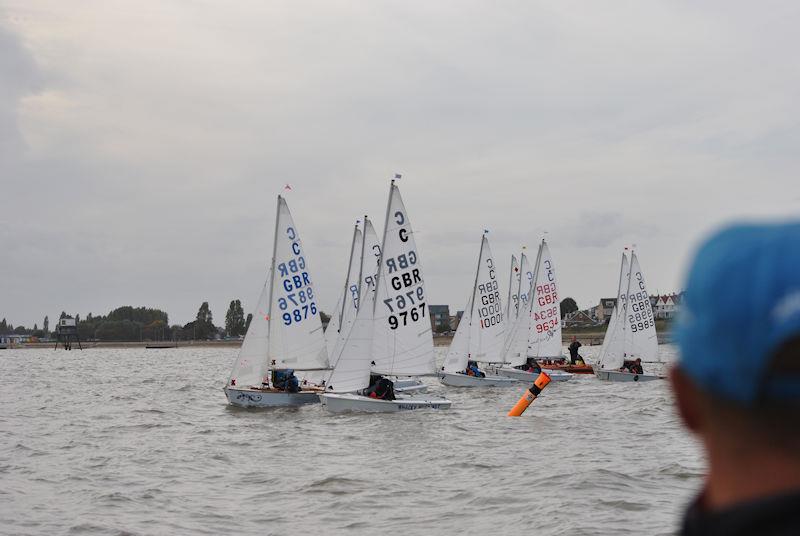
143	145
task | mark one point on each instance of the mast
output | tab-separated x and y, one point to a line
383	243
361	264
347	277
625	311
272	272
510	281
519	285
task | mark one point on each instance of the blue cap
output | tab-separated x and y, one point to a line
742	302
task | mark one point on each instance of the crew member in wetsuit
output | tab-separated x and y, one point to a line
574	356
636	366
532	366
741	398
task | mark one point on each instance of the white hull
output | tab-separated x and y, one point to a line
620	376
338	403
409	386
256	398
523	376
456	379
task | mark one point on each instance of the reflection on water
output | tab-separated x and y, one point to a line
135	441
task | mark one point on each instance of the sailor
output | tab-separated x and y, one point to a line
532	366
741	398
473	370
636	366
573	351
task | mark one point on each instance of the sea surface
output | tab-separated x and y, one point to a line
137	441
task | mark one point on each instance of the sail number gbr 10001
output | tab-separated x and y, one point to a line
408	305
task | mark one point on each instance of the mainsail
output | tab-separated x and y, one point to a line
403	340
481	330
544	337
612	351
516	344
639	323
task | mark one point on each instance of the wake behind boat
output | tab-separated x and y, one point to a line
285	334
391	334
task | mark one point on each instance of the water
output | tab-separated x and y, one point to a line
135	441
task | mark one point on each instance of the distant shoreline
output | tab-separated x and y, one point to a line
588	338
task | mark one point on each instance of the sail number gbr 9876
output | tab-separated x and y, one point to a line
297	302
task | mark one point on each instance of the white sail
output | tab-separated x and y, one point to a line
295	329
332	332
456	358
516	344
403	339
352	359
372	256
251	363
641	340
544	338
513	290
342	318
484	326
612	352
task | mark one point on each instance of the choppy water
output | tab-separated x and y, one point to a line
136	441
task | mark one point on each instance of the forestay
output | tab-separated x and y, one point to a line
482	324
544	338
403	342
516	343
612	351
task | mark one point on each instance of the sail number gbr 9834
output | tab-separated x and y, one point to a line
406	301
297	302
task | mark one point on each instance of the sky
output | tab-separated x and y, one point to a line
142	144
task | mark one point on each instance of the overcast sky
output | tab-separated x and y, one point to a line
142	144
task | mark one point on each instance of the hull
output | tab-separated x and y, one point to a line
409	386
339	403
263	398
572	369
619	376
522	376
455	379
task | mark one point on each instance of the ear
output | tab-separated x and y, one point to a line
688	400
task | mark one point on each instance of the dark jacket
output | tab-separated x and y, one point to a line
771	516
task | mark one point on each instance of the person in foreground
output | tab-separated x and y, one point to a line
740	396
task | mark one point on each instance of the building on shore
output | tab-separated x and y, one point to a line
440	318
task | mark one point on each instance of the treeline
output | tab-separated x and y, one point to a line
130	323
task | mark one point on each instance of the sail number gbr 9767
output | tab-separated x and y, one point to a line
406	301
297	302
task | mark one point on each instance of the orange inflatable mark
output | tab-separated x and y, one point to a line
530	395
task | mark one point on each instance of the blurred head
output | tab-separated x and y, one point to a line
738	377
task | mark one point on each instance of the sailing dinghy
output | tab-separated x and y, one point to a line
631	332
481	331
536	334
285	335
390	336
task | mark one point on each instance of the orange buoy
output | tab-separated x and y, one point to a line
530	395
